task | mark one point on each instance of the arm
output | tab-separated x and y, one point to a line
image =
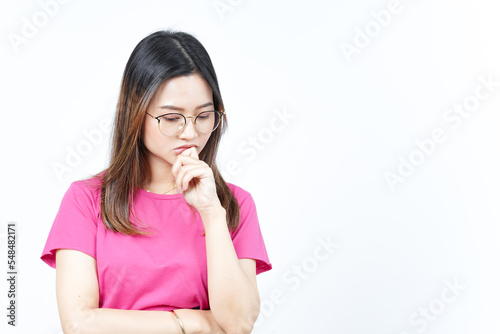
232	285
77	293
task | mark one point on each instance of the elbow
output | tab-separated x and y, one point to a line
77	324
71	326
242	325
240	328
237	317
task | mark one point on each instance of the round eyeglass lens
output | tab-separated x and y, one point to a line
207	121
171	124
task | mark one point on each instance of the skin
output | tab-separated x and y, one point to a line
191	95
232	286
188	95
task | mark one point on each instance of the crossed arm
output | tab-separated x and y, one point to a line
232	288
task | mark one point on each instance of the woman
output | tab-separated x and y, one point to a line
159	229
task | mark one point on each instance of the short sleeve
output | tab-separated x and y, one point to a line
247	238
75	226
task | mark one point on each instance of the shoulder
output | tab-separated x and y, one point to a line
89	186
238	192
85	193
244	198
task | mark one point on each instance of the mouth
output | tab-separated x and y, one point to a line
181	149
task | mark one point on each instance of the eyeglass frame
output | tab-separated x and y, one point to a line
221	113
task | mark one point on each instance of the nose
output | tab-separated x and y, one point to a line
189	130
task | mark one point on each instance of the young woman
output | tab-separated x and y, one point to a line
160	230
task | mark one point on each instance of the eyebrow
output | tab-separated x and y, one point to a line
182	109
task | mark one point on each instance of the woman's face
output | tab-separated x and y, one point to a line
188	95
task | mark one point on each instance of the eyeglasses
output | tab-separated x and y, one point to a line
172	124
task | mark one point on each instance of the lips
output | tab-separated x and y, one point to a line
181	149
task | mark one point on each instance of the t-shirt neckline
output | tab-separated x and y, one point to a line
146	193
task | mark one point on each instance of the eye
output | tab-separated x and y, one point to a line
171	118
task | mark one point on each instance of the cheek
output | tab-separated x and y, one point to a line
203	142
204	139
146	136
153	139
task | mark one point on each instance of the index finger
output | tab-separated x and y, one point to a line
191	152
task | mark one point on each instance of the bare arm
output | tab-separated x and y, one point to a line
232	284
77	293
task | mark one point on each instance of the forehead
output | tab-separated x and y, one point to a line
184	91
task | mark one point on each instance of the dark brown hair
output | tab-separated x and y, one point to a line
159	57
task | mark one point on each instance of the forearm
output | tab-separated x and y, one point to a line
234	300
110	321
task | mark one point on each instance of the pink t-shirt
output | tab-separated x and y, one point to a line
163	271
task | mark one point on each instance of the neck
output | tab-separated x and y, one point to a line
159	188
161	179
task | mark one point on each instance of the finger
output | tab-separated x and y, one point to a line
183	160
181	175
188	173
181	181
191	152
180	160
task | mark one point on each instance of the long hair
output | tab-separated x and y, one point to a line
161	56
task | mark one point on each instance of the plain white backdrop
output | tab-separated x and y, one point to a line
366	131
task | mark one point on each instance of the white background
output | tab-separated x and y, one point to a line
319	173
